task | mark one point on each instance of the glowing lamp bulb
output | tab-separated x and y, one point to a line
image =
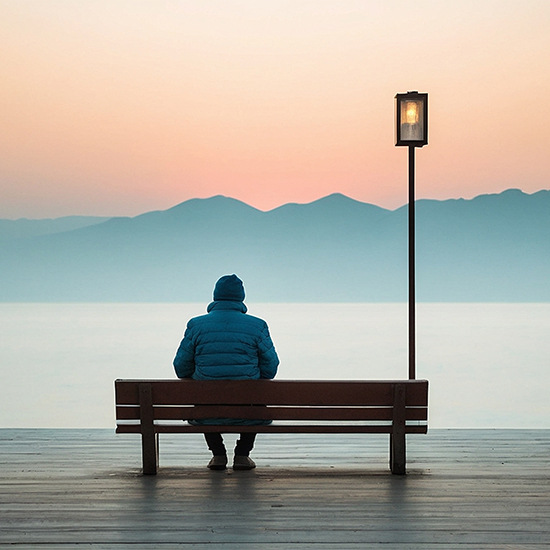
411	112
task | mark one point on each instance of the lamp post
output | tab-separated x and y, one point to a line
411	115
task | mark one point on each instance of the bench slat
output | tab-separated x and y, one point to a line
274	428
272	392
271	413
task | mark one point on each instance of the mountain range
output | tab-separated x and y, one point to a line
336	249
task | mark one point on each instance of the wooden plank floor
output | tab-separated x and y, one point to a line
466	489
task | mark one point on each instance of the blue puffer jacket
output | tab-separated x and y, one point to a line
226	344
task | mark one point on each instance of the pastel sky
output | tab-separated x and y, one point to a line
121	107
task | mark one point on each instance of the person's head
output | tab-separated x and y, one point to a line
229	288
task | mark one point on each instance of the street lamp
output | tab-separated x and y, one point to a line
411	115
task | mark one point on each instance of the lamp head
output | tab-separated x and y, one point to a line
411	114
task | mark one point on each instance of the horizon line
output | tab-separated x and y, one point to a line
220	195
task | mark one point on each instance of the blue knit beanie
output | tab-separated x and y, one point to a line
229	288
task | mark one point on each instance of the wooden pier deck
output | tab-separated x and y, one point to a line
466	489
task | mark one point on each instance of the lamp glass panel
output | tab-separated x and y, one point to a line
411	119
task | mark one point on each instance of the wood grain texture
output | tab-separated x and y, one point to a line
466	489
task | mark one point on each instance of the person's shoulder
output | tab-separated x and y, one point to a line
200	319
257	321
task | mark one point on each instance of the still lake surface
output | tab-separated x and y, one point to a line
488	364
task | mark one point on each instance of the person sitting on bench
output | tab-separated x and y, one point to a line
227	344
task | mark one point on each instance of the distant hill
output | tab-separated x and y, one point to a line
490	248
25	228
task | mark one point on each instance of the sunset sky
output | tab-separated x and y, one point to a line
122	107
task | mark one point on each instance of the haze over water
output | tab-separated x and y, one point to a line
487	363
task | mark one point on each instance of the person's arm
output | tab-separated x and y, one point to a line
184	362
268	361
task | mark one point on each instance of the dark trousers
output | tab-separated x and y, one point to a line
244	445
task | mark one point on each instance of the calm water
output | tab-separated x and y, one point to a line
488	364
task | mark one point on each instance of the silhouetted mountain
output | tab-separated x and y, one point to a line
24	228
491	248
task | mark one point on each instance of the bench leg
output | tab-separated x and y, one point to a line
150	453
397	454
397	437
149	439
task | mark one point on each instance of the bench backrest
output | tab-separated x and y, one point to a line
333	400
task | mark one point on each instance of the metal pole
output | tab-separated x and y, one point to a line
412	298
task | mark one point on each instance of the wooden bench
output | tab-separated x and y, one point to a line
150	407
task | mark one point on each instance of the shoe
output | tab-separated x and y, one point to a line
243	463
218	462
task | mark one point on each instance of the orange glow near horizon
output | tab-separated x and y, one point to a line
120	108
